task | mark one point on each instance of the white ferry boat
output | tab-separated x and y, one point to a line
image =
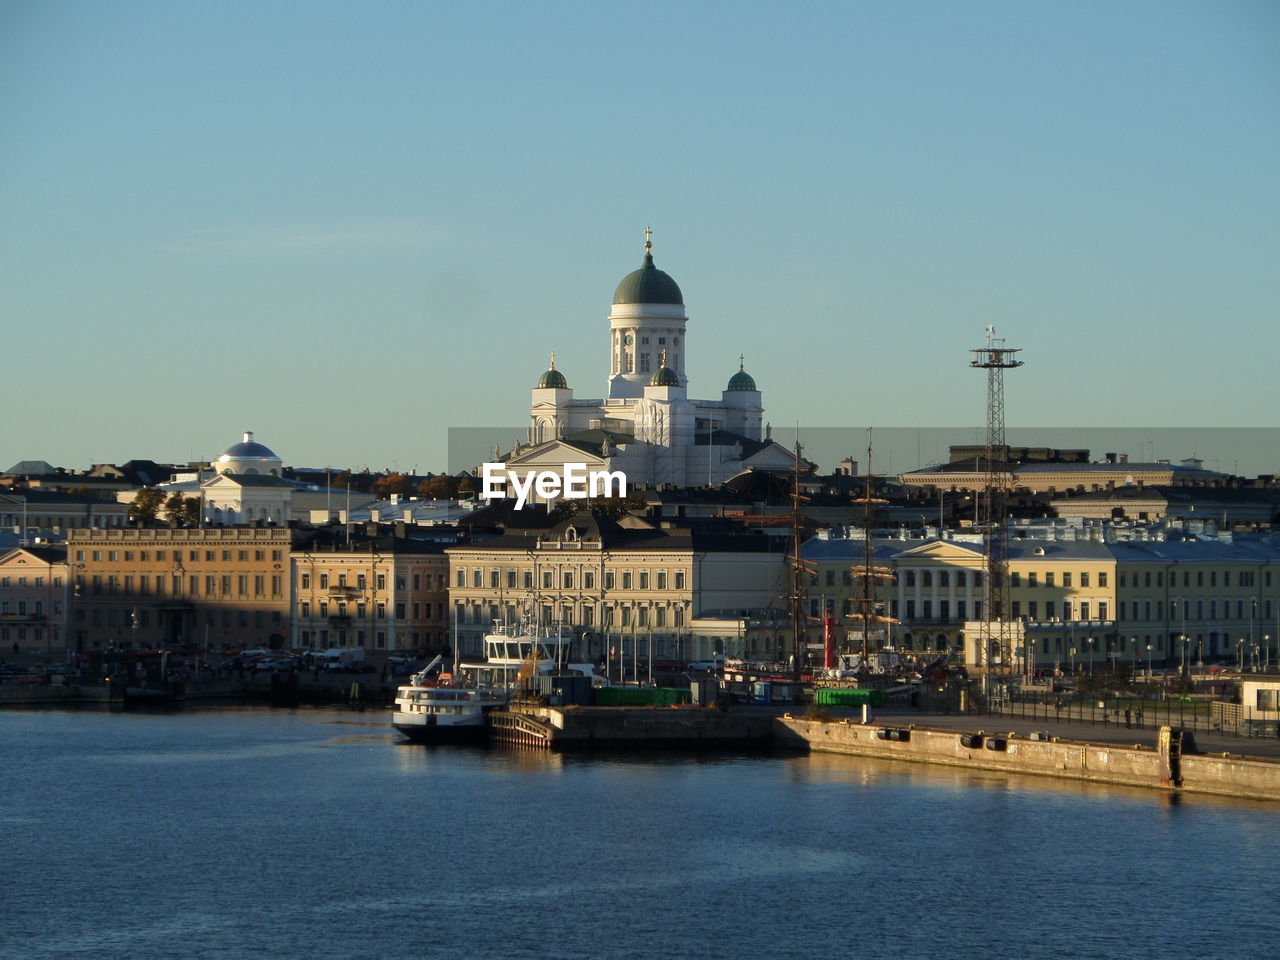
430	711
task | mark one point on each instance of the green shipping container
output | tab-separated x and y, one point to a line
640	696
845	697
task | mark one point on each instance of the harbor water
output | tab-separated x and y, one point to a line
246	832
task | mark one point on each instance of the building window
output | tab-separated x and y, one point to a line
679	579
588	580
1066	579
305	581
626	580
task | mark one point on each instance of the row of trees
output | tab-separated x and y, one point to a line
150	502
385	485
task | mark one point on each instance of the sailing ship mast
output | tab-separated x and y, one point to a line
868	573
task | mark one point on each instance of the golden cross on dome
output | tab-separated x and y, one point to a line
663	362
648	239
553	359
741	361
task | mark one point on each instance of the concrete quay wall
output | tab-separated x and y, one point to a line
1128	765
582	726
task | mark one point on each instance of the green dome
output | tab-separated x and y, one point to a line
553	379
664	376
648	285
741	381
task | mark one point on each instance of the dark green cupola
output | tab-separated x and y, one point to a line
664	376
648	284
741	380
553	379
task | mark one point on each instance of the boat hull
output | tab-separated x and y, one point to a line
429	730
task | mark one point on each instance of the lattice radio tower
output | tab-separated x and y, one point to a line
997	630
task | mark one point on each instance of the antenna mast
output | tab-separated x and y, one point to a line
997	629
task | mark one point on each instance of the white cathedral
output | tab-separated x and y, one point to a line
647	426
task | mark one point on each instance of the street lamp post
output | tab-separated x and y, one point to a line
1253	639
1240	655
1133	643
1089	641
1072	652
1148	659
1266	651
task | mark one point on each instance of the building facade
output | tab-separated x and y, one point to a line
1079	603
206	588
607	584
34	599
379	593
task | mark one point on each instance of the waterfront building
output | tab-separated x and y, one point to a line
647	425
34	596
607	582
1081	596
380	592
209	587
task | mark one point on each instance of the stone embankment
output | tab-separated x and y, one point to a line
1163	767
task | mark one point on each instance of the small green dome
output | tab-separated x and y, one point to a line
553	379
664	376
741	380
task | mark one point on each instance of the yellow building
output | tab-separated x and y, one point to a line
208	587
382	592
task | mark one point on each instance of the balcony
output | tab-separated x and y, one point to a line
341	621
344	591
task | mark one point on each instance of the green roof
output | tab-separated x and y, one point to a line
741	381
648	285
553	379
664	376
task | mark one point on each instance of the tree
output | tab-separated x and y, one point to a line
467	485
392	483
184	511
146	504
173	507
437	488
191	511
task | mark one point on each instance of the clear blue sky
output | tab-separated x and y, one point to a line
349	227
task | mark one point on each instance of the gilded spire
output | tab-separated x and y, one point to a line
553	359
648	241
663	361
